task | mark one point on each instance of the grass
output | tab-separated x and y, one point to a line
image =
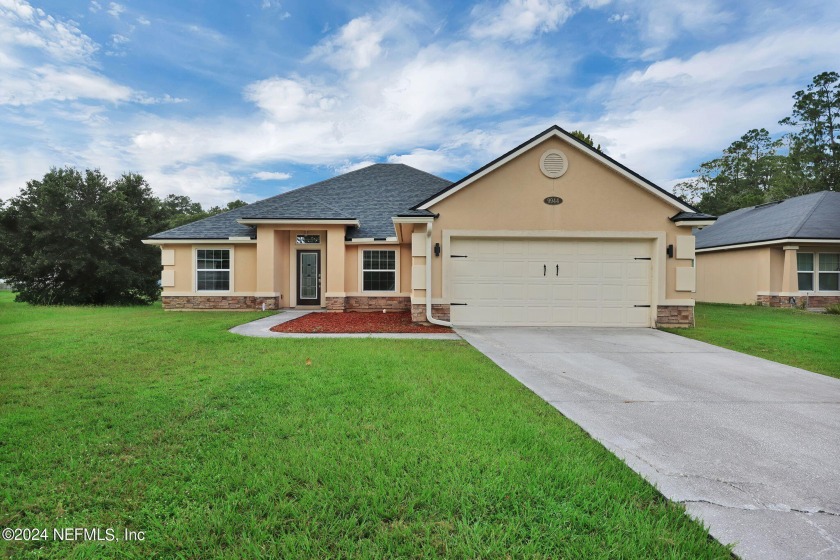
221	446
794	337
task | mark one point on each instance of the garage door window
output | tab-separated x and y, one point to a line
379	271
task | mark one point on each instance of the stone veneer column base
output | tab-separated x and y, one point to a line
807	301
674	316
439	311
369	303
204	303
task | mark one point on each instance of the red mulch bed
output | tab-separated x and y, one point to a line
350	322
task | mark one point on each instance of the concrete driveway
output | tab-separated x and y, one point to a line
751	447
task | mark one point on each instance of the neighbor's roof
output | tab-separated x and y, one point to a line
812	216
372	195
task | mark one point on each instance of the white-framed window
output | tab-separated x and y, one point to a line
307	239
829	272
805	271
379	270
212	270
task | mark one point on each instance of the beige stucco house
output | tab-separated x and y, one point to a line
781	254
552	233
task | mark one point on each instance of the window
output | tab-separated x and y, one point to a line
212	270
805	269
379	271
829	272
308	239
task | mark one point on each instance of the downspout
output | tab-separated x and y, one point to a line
429	317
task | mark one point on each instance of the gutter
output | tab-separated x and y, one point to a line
429	317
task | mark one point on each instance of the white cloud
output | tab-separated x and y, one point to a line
60	84
22	26
276	6
115	9
519	20
618	18
143	21
94	6
271	176
670	116
362	41
661	22
288	99
45	59
355	166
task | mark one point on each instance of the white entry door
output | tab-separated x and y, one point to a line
544	282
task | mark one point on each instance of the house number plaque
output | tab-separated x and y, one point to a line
553	200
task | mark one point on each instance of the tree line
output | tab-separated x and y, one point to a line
75	238
759	168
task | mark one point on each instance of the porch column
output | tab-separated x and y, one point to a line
334	266
790	280
265	260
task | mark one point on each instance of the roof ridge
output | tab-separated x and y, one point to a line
802	222
330	206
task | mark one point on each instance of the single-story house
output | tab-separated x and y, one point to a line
781	254
553	232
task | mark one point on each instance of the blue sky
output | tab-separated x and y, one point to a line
246	98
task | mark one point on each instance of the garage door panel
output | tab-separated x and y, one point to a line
637	294
612	270
550	282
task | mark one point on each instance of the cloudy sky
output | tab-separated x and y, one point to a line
246	98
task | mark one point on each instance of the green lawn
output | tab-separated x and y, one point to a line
218	445
790	336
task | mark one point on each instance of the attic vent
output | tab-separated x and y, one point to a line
553	163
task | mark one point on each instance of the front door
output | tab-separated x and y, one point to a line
309	278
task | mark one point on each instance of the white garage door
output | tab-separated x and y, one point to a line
597	282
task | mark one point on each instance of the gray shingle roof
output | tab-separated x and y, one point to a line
372	195
812	216
689	216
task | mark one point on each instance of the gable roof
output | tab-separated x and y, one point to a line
370	196
556	131
811	216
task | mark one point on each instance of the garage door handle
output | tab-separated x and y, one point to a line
558	270
544	269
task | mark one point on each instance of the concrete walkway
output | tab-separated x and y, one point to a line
262	328
751	447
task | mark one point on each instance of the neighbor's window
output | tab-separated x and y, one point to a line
379	271
805	269
308	239
829	272
212	270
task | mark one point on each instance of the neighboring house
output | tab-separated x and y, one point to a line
781	254
552	233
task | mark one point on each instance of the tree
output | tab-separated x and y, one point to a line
745	175
181	210
815	147
75	238
586	138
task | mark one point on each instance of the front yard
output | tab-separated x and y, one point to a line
217	445
789	336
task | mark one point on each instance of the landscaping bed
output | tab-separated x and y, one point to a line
357	322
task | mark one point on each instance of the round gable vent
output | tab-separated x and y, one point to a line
553	163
